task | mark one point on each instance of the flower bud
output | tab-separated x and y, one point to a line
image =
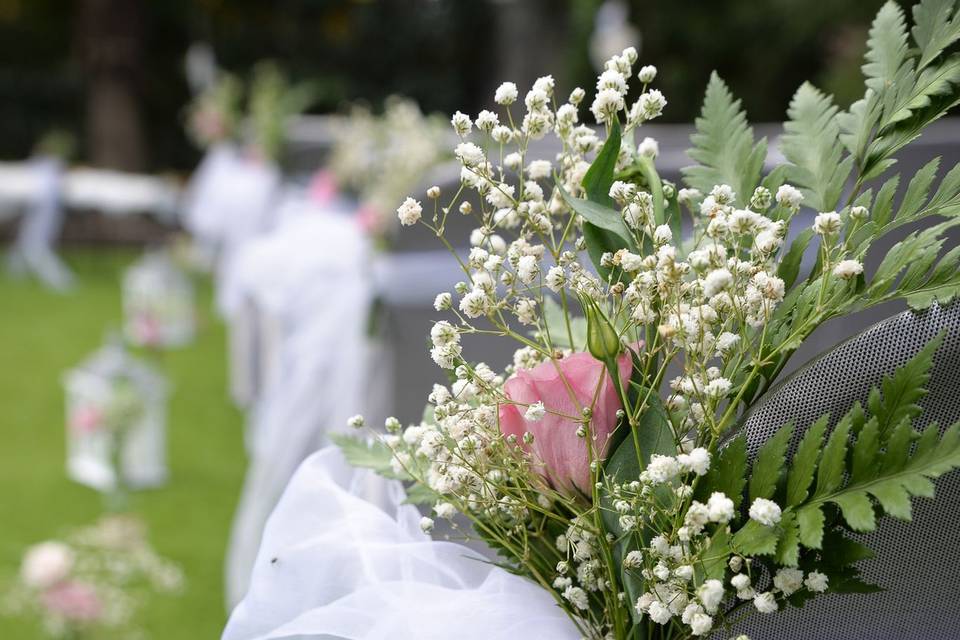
602	340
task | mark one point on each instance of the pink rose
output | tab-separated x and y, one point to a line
77	602
323	187
561	456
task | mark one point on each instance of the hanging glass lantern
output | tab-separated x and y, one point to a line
158	303
116	421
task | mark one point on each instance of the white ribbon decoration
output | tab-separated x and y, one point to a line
344	559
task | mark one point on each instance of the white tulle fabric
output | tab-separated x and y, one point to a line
342	558
310	281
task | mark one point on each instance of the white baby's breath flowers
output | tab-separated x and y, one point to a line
355	421
462	125
409	212
765	602
827	223
649	148
848	269
443	301
766	512
606	105
46	564
426	524
816	582
433	192
788	580
789	196
859	213
487	120
535	412
647	73
506	94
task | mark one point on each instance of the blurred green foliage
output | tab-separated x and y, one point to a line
444	53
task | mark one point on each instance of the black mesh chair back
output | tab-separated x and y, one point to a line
917	563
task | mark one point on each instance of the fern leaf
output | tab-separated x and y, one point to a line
886	47
936	27
896	398
724	145
811	143
768	467
804	462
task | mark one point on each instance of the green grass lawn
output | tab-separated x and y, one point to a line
44	333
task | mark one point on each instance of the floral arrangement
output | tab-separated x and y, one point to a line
93	581
158	303
378	158
273	101
214	115
623	490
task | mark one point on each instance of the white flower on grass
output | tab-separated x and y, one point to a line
789	196
765	602
788	580
720	507
443	301
649	147
816	582
506	93
848	269
647	73
426	524
409	212
766	512
461	124
46	564
355	421
827	223
697	461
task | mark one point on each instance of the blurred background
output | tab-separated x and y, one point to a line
105	88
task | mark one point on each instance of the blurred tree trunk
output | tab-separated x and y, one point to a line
109	38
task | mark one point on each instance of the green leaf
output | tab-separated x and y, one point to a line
898	394
857	510
936	27
789	267
599	177
368	455
652	178
804	462
833	462
556	322
769	464
600	216
714	559
788	547
810	520
723	145
755	539
727	473
886	47
811	144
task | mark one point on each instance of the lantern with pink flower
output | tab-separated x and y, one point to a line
158	303
115	421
